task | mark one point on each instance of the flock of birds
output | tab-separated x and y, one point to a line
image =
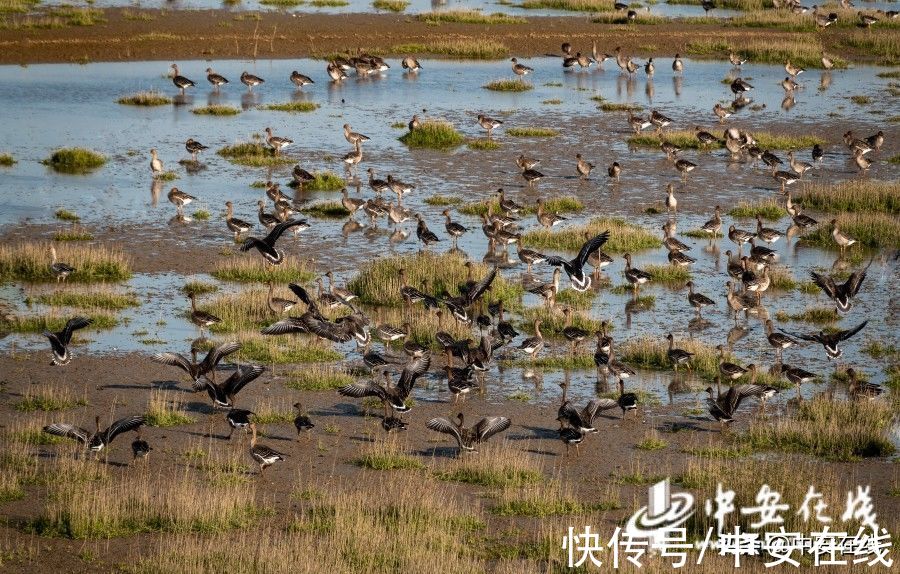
465	364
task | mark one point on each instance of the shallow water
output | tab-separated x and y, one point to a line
60	105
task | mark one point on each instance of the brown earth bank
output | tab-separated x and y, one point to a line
135	35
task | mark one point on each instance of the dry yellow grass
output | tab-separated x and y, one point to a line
31	262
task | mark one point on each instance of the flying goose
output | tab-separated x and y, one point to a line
391	396
194	369
222	394
59	341
723	407
468	438
98	440
830	340
842	294
266	245
574	268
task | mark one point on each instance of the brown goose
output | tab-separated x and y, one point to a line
180	81
217	80
468	438
277	143
489	124
250	80
262	454
235	225
300	80
179	199
547	219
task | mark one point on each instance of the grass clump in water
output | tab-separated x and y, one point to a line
623	236
532	132
109	301
249	270
329	3
802	52
75	160
146	98
810	315
870	230
7	160
53	321
569	5
852	196
767	209
443	200
293	107
566	204
326	210
253	154
66	215
469	17
325	181
387	455
619	107
836	430
31	262
390	5
671	275
508	86
282	3
463	48
198	288
284	350
483	144
433	134
216	110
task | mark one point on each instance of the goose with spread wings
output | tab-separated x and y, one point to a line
98	440
392	396
723	407
582	419
842	294
194	369
458	305
222	395
830	340
574	268
312	321
469	437
266	245
59	341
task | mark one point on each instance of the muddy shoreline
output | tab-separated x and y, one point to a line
132	34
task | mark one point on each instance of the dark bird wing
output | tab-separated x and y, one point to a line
825	283
854	282
443	425
276	232
123	425
326	329
174	360
589	247
412	371
482	286
68	431
285	326
814	337
216	354
844	335
489	426
241	377
362	390
303	295
260	245
594	406
71	326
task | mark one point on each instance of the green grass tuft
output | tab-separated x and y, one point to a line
461	48
433	134
89	300
469	17
75	233
30	262
390	5
483	144
250	270
624	237
508	86
871	230
325	181
443	200
147	98
293	107
810	315
7	160
253	154
198	288
318	378
326	210
53	322
387	456
216	110
532	132
66	215
767	209
852	196
622	107
75	160
566	204
672	275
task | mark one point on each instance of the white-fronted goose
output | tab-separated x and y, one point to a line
532	176
342	293
201	318
767	234
797	376
194	369
399	187
721	112
59	341
547	219
250	80
547	291
739	86
636	277
98	440
217	80
583	167
862	389
867	19
698	300
179	199
425	235
194	147
180	81
614	171
520	69
723	407
650	69
842	239
714	225
59	269
736	60
266	245
861	161
235	225
335	72
533	345
489	124
841	294
739	236
156	164
684	167
222	394
354	137
778	341
353	158
659	120
468	438
300	80
267	219
140	449
575	335
278	305
788	84
528	256
351	204
793	70
454	229
637	123
830	340
728	370
277	143
391	396
526	163
575	267
413	123
410	64
678	356
262	454
302	423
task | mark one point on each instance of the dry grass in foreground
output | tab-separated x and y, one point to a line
30	262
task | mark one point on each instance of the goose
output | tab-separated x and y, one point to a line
335	72
617	369
459	381
614	171
739	87
179	199
262	454
856	144
571	437
410	64
527	256
680	259
217	80
504	328
866	19
778	341
399	187
397	214
735	265
425	235
575	335
581	420
276	304
705	138
468	438
789	85
414	123
235	225
842	294
793	70
222	394
454	229
277	143
876	140
342	293
714	225
723	407
771	160
767	234
728	370
301	177
194	147
374	210
412	295
677	64
862	389
194	369
391	396
354	137
570	61
800	167
302	423
266	245
59	269
583	167
671	243
59	341
508	206
238	419
379	186
351	204
649	68
545	218
736	60
250	80
574	268
678	356
532	176
140	449
802	220
98	440
340	330
489	124
684	167
598	57
324	298
156	164
470	294
353	158
830	340
268	220
526	163
389	334
735	303
180	81
707	5
739	236
721	112
760	253
659	120
300	80
630	66
671	150
201	318
842	239
520	69
547	291
827	63
601	351
636	277
698	300
637	123
625	401
797	376
861	161
533	345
